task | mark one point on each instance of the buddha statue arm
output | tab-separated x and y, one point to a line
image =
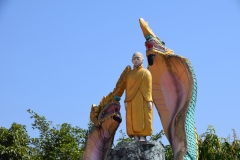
146	87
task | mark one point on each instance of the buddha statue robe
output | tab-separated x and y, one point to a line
138	94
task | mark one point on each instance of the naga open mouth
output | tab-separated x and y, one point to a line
152	44
111	110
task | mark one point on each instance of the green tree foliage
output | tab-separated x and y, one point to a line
14	143
168	152
54	142
157	136
67	142
211	147
60	142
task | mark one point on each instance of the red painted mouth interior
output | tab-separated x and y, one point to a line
113	108
149	45
153	44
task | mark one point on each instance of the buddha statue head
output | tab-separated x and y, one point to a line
137	59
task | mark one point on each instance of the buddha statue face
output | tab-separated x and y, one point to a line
137	59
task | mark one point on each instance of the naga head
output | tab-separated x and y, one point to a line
108	116
153	44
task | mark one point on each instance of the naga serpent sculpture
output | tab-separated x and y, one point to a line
174	94
106	118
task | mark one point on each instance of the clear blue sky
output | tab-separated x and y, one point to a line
59	57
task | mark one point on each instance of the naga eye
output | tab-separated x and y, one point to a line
116	109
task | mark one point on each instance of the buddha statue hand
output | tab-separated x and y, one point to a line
125	104
150	106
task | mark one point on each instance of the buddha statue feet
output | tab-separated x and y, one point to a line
142	138
136	138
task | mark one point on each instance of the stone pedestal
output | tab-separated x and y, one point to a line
136	150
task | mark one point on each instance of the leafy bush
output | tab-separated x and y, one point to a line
67	142
211	147
14	143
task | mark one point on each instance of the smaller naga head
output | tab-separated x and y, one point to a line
106	119
108	116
